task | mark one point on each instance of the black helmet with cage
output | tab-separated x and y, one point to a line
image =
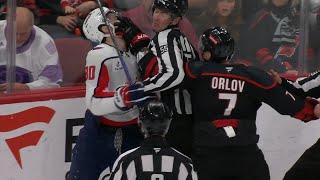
155	118
176	7
219	42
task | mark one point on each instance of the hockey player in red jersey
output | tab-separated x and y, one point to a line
111	119
225	99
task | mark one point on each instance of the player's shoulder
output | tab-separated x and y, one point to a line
126	156
180	156
41	35
194	68
256	76
102	52
2	30
169	34
2	23
43	42
258	17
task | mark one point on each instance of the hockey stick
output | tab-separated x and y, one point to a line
125	67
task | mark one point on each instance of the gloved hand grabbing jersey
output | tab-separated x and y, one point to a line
136	40
130	95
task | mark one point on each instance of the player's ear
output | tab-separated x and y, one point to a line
206	55
176	20
104	29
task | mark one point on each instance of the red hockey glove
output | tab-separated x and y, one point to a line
136	40
310	110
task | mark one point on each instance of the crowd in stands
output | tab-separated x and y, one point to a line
267	32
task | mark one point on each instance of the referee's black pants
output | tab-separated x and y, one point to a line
307	166
231	163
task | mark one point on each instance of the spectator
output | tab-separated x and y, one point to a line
225	99
70	6
111	119
196	9
37	62
271	39
249	8
122	5
53	20
224	13
154	159
30	4
142	17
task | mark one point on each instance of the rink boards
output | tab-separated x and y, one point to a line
37	134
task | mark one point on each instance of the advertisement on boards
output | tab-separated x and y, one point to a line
36	138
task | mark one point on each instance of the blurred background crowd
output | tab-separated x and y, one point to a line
271	34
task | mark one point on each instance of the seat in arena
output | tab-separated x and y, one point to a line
72	55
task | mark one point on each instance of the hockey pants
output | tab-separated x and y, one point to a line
95	148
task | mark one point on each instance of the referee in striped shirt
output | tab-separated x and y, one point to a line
154	159
308	165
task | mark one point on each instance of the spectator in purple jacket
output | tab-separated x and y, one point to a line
37	61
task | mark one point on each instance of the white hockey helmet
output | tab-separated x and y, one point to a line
94	22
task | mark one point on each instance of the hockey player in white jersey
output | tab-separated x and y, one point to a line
37	61
111	119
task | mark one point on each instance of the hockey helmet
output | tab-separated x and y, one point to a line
92	25
176	7
218	41
155	118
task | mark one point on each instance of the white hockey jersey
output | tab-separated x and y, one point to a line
104	73
37	61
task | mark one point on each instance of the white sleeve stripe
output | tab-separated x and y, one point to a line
121	156
183	172
194	175
118	174
131	171
307	85
168	76
181	153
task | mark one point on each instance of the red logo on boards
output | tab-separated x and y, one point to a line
18	120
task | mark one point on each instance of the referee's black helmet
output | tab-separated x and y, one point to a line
177	7
155	118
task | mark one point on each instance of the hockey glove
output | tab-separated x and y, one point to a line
310	110
127	96
135	39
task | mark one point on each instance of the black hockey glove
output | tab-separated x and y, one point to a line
136	40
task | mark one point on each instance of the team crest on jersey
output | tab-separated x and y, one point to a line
118	66
229	69
163	49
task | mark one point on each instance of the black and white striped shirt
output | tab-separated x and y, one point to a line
153	160
172	50
305	86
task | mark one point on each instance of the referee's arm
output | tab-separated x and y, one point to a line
170	64
303	87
